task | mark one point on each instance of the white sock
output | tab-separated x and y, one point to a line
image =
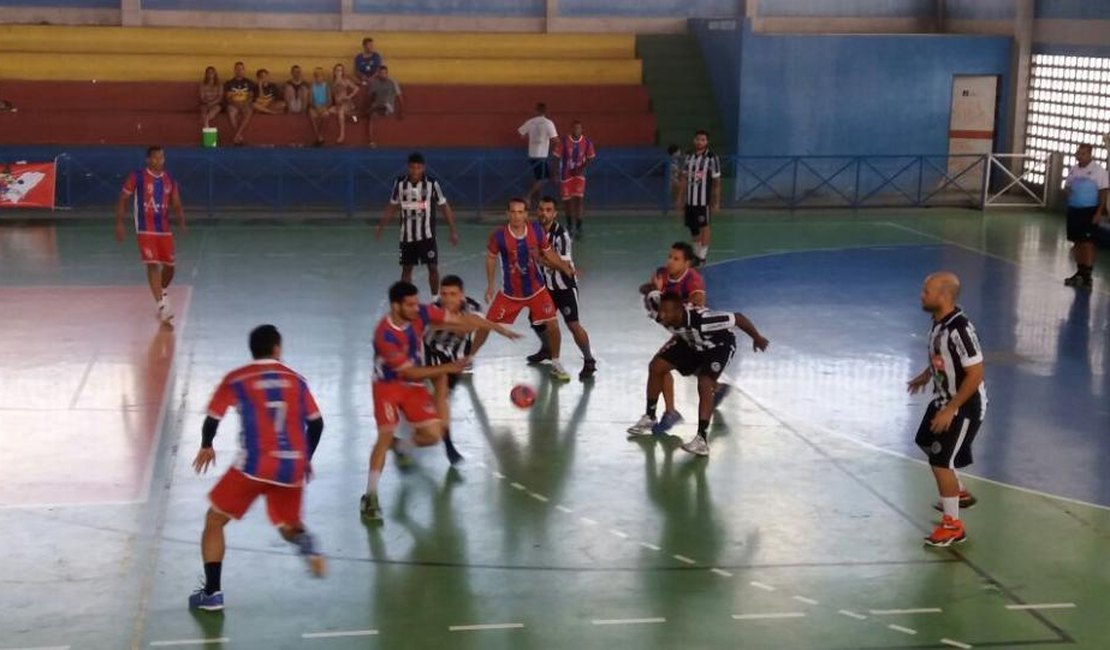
961	484
951	506
372	482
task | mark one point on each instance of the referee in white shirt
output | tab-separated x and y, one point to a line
1086	187
418	197
540	133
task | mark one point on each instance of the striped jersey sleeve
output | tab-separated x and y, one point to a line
706	321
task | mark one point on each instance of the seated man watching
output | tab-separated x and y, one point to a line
384	98
269	97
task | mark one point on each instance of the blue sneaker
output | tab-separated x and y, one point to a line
666	423
213	602
720	394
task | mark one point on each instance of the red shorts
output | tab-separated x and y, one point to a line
541	308
236	491
394	398
574	186
156	249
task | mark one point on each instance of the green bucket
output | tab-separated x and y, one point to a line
208	137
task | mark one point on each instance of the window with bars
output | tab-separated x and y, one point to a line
1069	104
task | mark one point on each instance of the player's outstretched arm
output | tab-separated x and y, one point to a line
206	456
420	373
476	322
387	216
918	383
552	259
759	342
452	230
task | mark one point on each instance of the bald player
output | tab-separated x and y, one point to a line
959	401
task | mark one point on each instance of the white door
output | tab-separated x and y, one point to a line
971	126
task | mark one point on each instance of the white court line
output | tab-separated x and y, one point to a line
770	616
761	585
850	614
480	465
1043	606
538	497
487	626
956	644
618	533
627	621
721	572
588	521
336	635
518	486
903	630
650	546
896	612
564	509
808	601
498	475
47	647
178	642
683	558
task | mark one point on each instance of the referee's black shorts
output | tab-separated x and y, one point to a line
1081	224
566	301
688	361
697	217
416	253
540	170
950	448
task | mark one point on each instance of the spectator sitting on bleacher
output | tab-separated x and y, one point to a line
269	98
210	94
296	91
367	62
343	92
384	100
239	93
320	104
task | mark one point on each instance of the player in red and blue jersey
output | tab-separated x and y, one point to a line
152	193
517	248
281	427
575	153
399	375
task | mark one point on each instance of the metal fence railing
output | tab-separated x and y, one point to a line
286	180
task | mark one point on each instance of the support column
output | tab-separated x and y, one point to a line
942	16
346	13
1020	71
551	15
131	13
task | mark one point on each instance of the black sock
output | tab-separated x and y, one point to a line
651	404
703	428
1085	271
212	577
447	444
541	331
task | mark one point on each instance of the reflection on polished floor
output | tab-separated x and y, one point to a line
801	531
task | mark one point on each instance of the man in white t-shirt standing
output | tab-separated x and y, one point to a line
540	132
1086	187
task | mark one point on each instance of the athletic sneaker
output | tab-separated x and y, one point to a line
720	394
667	422
697	446
967	501
1074	281
404	458
453	455
306	545
165	312
536	359
368	507
949	532
643	426
589	368
558	371
212	602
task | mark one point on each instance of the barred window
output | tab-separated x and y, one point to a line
1069	105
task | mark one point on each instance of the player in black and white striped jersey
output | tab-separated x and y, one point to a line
702	345
563	289
443	346
418	197
700	191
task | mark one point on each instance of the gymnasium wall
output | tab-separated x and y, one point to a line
719	41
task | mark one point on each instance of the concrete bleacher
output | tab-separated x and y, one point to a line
108	85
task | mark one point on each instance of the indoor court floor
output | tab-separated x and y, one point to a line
802	530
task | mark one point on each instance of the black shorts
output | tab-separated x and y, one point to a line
436	358
1081	225
697	217
540	170
688	361
950	448
415	253
566	301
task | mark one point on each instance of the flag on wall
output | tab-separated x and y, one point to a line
27	185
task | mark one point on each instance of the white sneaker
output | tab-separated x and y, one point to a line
697	446
558	371
643	426
165	312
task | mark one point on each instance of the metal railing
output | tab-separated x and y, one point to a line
352	181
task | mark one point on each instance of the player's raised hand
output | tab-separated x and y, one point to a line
917	384
760	343
205	457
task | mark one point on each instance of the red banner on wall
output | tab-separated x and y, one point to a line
27	185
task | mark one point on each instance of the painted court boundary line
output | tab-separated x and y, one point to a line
336	635
486	626
185	642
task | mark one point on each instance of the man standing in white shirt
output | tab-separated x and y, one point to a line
540	132
1086	187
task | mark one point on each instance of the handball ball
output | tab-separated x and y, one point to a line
523	395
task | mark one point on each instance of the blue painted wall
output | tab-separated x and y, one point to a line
980	9
270	6
720	50
651	8
499	8
847	8
1074	9
857	95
